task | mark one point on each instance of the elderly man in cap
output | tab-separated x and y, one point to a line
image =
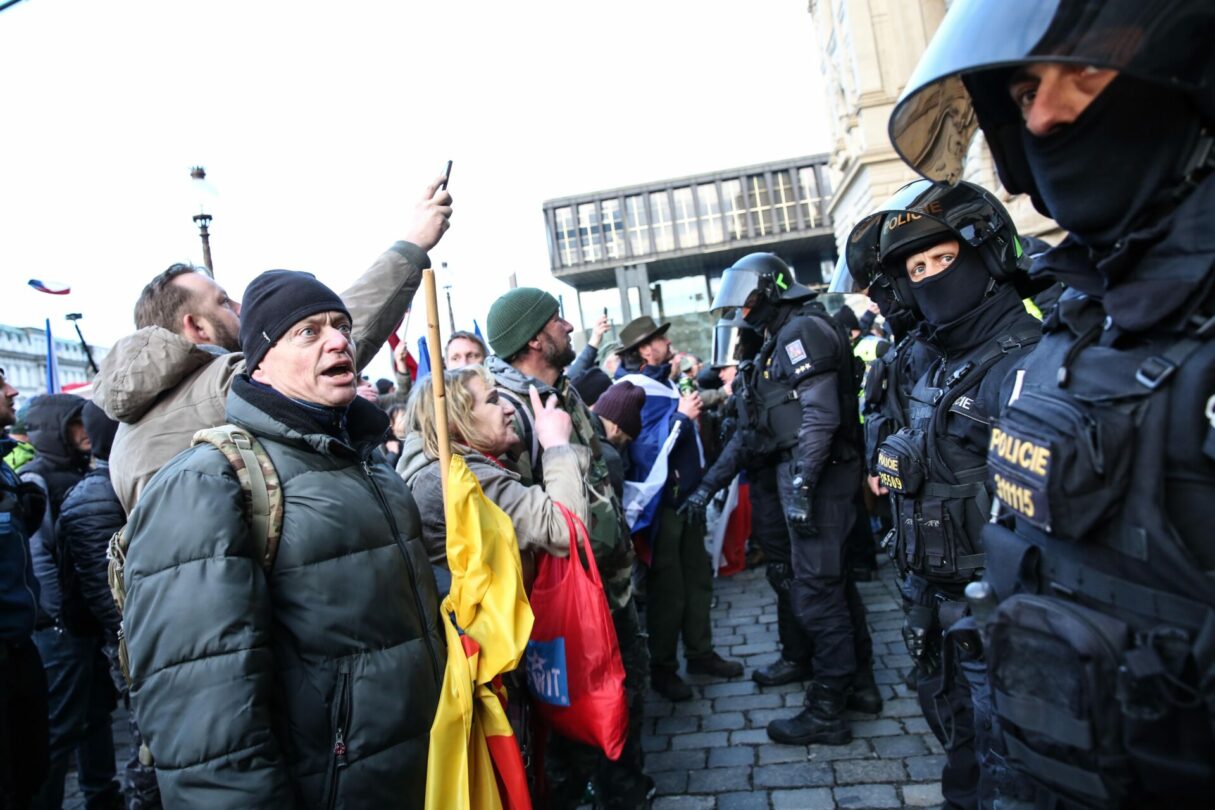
680	579
303	676
531	344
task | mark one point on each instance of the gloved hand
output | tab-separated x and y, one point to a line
797	508
918	631
697	504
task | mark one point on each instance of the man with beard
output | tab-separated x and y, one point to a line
679	582
171	378
935	467
531	344
1103	456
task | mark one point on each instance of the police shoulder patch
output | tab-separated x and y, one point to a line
795	350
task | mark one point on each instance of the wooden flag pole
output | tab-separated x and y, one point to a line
436	373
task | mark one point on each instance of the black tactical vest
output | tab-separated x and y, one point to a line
1102	652
768	405
938	486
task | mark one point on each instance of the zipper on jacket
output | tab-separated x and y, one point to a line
341	719
413	575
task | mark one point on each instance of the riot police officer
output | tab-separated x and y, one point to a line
745	451
801	408
1101	651
927	242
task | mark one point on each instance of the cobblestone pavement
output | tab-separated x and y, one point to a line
712	752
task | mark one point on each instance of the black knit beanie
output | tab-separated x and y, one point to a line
592	384
273	302
101	430
622	404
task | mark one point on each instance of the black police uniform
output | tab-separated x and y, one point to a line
1106	457
805	399
936	471
1101	653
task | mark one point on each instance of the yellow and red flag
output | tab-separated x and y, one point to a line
475	762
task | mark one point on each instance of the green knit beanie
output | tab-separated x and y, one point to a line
516	318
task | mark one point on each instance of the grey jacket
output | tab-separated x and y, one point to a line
538	523
163	388
313	685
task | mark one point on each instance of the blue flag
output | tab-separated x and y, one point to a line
423	358
477	329
52	362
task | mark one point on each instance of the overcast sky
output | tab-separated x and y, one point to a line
320	122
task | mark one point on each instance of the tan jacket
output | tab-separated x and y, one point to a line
162	388
539	524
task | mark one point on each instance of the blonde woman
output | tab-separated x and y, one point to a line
482	431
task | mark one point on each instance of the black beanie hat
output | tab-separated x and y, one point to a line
101	429
592	384
622	404
847	318
273	302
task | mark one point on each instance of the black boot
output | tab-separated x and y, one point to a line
865	696
782	671
667	683
820	722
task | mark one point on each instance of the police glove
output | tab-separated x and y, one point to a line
797	509
697	504
918	627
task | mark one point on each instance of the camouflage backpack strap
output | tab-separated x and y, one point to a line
258	480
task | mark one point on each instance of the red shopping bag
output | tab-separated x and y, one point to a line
574	670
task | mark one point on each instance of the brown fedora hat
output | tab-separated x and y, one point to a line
639	330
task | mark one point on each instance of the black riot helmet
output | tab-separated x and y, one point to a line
734	340
962	83
758	281
921	214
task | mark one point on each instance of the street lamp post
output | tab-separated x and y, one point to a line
75	317
451	315
203	219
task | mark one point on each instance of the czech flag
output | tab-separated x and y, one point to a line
50	287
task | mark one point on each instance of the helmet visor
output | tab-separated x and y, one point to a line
934	120
729	335
842	280
736	286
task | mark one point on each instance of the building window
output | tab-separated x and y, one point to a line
734	207
613	228
784	206
664	235
685	217
810	195
681	296
567	246
638	225
589	232
710	213
762	206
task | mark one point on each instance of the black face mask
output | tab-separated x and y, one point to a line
948	296
1099	174
899	316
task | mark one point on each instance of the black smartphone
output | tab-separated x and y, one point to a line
605	312
446	176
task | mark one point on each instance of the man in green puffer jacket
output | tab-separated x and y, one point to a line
312	684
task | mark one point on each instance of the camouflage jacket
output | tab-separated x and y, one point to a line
610	538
